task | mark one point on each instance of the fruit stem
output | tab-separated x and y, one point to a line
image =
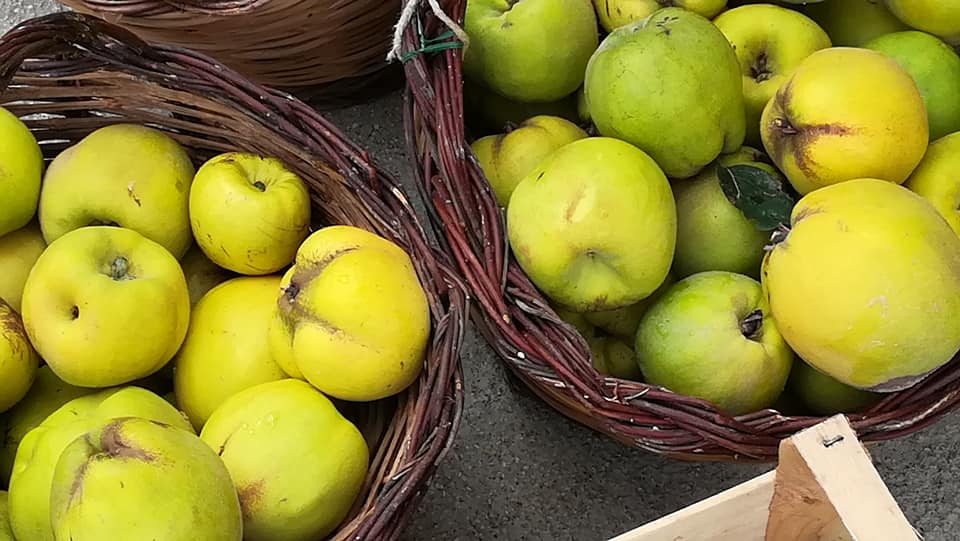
778	236
750	326
260	186
291	292
785	126
118	269
760	71
99	222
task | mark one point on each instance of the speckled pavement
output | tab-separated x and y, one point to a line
521	472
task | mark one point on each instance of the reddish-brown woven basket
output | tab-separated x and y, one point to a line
548	354
329	52
68	74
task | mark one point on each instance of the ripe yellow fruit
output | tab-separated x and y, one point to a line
19	250
507	157
106	306
845	113
226	349
126	175
352	318
866	285
937	178
297	463
18	360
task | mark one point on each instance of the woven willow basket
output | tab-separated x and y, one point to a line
68	74
329	52
546	353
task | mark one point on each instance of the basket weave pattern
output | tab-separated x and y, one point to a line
68	74
548	354
312	47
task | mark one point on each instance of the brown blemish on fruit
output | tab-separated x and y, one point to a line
250	496
111	446
898	384
806	212
496	147
76	488
574	203
114	446
290	308
796	139
133	195
11	320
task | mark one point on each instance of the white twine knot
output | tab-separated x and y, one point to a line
409	10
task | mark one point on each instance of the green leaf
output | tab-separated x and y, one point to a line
758	194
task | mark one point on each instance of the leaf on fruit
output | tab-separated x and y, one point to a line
758	194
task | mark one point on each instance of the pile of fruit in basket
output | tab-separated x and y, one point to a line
755	204
176	343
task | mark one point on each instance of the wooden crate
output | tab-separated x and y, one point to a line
824	488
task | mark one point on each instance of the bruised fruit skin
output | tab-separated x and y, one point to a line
770	41
36	459
47	393
125	175
937	178
696	77
507	158
18	360
297	463
845	113
226	349
140	480
351	350
865	287
106	306
594	225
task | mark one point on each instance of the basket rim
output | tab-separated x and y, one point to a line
325	61
77	57
546	353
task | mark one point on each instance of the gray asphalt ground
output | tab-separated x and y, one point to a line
519	471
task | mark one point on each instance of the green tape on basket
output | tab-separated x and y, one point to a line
437	47
432	45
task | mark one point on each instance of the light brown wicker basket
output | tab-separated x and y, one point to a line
330	52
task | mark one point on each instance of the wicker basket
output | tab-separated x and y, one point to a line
547	354
327	52
68	74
